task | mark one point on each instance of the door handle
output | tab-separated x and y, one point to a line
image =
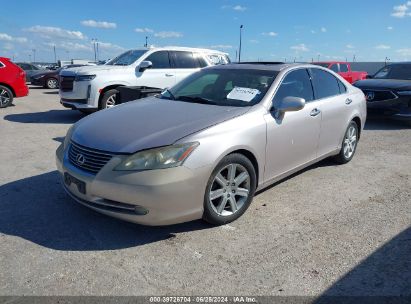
169	75
348	101
315	112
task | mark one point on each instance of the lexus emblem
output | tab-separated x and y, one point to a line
80	159
370	96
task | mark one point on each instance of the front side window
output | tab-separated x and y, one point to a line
127	58
325	84
160	60
343	68
295	84
223	87
334	68
185	60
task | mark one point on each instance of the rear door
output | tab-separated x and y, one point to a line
334	104
293	139
160	75
185	63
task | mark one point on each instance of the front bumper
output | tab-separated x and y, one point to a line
83	95
169	196
37	81
398	108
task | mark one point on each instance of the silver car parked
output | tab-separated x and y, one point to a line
202	148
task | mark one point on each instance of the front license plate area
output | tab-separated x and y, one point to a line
69	179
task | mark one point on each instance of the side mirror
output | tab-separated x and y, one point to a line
289	104
144	65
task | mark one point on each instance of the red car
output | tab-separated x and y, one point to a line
344	69
12	82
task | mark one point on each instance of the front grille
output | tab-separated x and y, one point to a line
66	83
88	159
372	96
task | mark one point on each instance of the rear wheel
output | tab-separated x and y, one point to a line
6	97
51	83
230	190
349	144
109	99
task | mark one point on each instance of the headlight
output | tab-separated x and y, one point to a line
159	158
404	93
68	137
84	77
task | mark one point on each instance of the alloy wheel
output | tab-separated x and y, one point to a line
4	97
229	190
52	83
350	142
111	101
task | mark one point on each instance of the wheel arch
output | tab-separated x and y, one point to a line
9	87
251	157
357	120
107	88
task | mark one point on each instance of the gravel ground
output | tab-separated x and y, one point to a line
329	230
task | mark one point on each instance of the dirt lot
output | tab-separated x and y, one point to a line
327	230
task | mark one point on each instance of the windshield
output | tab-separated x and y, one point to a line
398	71
223	87
127	58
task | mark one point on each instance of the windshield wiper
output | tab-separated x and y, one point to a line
195	99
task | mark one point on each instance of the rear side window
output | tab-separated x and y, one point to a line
201	61
296	84
334	68
325	84
343	88
160	60
343	68
185	60
1	65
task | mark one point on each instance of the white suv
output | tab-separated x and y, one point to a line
91	88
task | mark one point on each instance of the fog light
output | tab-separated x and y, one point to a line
140	210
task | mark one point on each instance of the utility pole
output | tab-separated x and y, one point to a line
34	55
146	44
94	40
239	50
353	58
29	57
55	56
97	51
319	57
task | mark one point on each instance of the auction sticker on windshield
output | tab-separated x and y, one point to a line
243	94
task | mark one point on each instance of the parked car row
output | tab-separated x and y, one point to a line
343	69
50	79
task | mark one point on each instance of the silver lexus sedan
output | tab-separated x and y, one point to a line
202	148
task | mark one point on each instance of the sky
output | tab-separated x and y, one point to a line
370	30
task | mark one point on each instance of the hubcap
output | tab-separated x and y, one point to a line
229	190
52	83
350	142
111	101
4	97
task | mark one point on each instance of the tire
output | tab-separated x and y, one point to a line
349	144
6	97
52	83
224	200
107	99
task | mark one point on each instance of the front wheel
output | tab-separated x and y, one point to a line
6	97
349	144
230	190
109	99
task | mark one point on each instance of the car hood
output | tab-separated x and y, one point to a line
378	84
90	69
148	123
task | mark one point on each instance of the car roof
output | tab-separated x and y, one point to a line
181	48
